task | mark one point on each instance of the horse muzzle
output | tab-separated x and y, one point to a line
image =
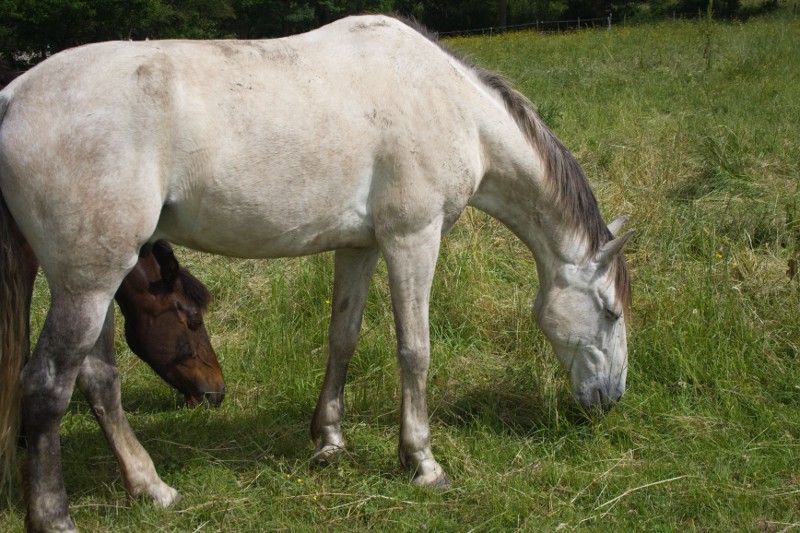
600	394
211	398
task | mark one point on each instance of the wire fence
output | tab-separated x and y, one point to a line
558	26
545	26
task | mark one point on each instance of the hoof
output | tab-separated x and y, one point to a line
63	525
164	495
432	477
326	454
441	482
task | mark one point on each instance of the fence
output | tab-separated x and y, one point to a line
556	26
546	26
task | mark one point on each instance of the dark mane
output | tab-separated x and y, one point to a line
568	183
194	289
191	287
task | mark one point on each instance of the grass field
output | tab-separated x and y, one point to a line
693	130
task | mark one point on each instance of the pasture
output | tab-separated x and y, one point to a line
692	131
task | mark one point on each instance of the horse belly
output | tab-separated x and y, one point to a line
271	218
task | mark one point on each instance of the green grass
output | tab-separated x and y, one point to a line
703	154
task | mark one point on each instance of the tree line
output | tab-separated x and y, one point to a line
30	30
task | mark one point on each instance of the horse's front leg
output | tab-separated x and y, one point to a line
72	327
353	270
98	380
411	260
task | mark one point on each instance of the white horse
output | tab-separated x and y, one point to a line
363	137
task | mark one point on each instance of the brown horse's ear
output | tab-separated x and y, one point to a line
170	268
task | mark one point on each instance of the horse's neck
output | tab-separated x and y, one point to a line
516	193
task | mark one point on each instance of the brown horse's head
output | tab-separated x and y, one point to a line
163	305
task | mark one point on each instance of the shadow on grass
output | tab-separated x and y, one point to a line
506	407
180	442
271	433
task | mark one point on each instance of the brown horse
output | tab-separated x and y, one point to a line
163	305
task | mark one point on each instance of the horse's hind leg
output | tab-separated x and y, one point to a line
98	380
411	261
72	327
353	271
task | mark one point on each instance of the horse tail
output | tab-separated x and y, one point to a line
14	302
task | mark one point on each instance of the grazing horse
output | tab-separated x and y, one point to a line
163	305
362	137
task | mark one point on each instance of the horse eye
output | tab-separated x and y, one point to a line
185	352
611	315
194	318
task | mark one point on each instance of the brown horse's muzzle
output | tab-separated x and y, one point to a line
212	397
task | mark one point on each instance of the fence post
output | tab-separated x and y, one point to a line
609	20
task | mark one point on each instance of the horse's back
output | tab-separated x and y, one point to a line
249	148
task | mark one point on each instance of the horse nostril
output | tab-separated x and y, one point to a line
607	399
600	400
617	396
215	398
598	396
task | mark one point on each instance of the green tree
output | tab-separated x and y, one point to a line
30	30
452	15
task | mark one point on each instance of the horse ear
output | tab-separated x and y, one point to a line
616	225
170	268
610	249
